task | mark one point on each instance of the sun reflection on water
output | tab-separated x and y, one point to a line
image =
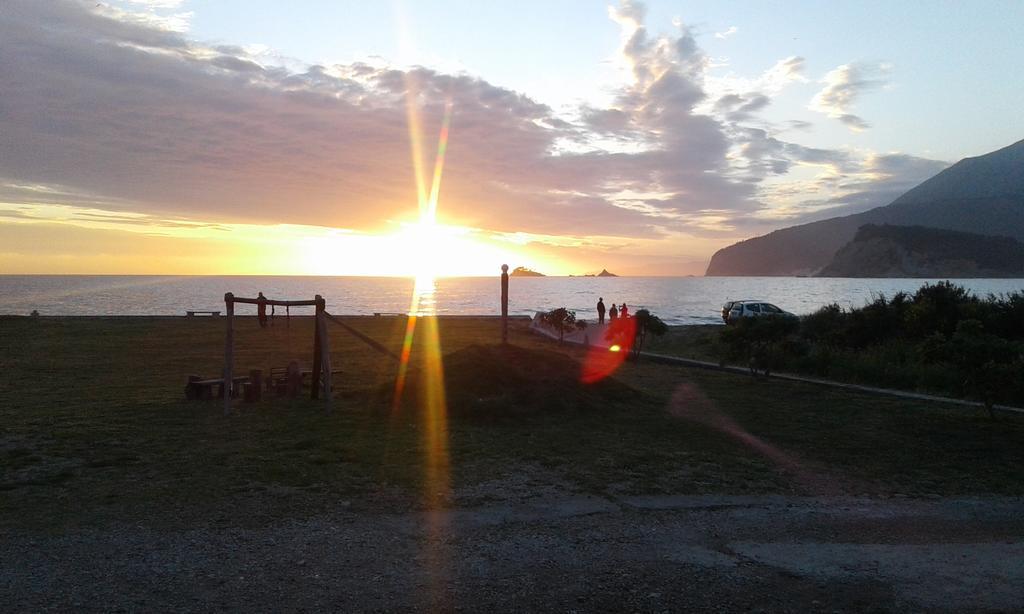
424	302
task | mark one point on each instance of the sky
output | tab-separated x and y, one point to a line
262	137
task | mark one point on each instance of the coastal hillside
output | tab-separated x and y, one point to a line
917	251
982	195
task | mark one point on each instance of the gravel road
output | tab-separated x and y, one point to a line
721	553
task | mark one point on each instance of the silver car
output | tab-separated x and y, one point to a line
733	310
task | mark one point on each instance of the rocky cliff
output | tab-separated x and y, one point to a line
982	195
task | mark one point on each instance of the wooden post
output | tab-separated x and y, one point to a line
293	380
504	303
325	350
229	350
191	389
314	385
255	386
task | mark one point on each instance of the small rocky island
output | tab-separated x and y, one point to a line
603	273
521	271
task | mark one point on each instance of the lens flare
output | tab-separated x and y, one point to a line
434	410
431	378
606	355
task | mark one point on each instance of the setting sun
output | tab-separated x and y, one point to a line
414	250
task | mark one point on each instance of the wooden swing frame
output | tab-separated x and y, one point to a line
321	375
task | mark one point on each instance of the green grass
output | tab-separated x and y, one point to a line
895	364
94	428
699	342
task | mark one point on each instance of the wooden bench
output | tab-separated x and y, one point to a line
278	379
198	388
190	314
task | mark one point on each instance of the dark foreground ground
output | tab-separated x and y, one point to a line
664	489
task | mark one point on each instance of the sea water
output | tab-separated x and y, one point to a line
677	300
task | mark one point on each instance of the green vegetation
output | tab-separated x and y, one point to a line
941	340
562	320
644	323
95	430
916	251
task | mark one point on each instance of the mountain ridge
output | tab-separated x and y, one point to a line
981	195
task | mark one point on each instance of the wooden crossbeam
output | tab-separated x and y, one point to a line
270	301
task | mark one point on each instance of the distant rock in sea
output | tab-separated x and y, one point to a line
605	273
917	251
521	271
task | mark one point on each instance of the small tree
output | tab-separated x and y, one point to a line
646	322
560	319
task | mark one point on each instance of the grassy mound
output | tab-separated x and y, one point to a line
495	380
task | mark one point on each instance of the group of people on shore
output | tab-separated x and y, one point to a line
613	314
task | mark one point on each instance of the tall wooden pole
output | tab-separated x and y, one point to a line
325	349
504	303
229	351
314	385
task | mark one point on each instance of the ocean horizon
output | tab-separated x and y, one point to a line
677	300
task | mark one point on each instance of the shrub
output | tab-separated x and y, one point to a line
942	339
826	325
757	339
938	308
560	319
646	322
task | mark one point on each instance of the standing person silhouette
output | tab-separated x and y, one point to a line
600	310
261	310
624	311
613	313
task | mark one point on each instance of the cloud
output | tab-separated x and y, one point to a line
843	87
741	107
158	14
845	186
108	112
142	119
727	33
782	73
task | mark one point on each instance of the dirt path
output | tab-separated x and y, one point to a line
727	553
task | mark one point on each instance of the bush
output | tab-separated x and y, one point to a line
938	308
560	319
645	322
826	325
941	339
756	341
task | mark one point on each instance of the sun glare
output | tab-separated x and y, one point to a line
413	250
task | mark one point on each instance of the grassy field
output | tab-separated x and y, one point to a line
95	429
699	342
